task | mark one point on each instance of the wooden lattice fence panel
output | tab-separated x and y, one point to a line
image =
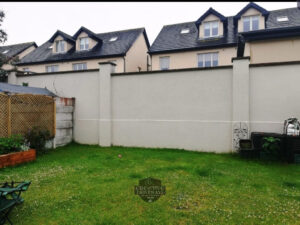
25	111
3	115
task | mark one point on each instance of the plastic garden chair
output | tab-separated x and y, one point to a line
15	191
6	205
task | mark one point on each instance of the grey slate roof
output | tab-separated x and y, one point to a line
171	40
16	49
107	49
11	88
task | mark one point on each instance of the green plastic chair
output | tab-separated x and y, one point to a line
15	191
6	205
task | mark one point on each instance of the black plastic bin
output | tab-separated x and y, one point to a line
292	148
257	140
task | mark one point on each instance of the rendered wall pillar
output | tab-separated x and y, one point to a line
241	100
105	132
12	78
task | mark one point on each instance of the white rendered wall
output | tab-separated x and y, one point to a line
274	96
190	110
84	87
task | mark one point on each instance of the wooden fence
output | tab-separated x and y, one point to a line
21	112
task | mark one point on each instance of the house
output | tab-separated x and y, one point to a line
85	49
212	40
17	51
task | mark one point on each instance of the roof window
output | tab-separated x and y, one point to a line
6	51
50	47
113	39
185	31
282	18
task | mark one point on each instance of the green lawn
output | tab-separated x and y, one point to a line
80	184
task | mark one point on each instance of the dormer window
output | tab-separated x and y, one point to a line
250	23
84	43
60	46
113	39
211	29
185	31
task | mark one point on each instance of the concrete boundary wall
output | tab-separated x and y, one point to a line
64	121
194	109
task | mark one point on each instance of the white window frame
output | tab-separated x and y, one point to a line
161	62
251	22
60	46
79	66
210	55
85	44
52	68
210	23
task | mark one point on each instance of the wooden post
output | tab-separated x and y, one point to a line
9	116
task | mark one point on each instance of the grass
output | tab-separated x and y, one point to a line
80	184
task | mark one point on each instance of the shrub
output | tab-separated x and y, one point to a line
14	143
37	138
271	145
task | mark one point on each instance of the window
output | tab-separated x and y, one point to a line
185	31
208	59
84	43
79	66
250	23
53	68
26	69
164	63
211	29
282	18
6	51
60	46
113	39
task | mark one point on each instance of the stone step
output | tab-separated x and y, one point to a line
63	116
64	124
64	109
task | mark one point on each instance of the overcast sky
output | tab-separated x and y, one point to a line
38	21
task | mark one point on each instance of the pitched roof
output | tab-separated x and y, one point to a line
207	13
13	50
88	32
12	88
65	36
263	11
171	40
125	40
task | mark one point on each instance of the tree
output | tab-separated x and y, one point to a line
3	58
3	34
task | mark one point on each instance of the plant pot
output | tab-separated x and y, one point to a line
16	158
245	144
268	156
249	153
297	158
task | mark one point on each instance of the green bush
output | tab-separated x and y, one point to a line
37	138
271	145
11	144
